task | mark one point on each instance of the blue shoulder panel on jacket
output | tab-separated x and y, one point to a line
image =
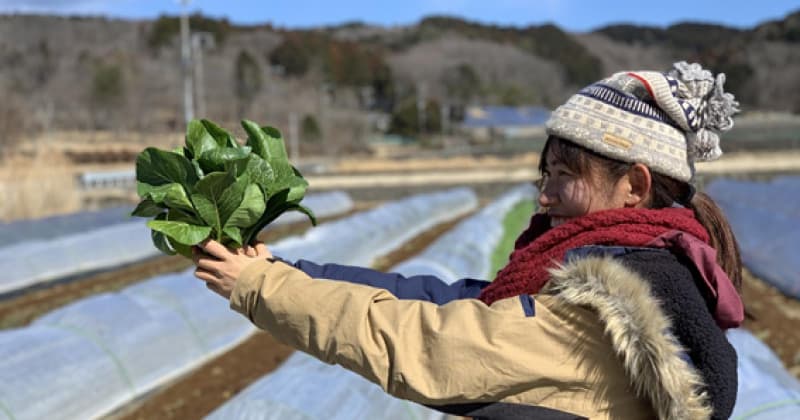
604	250
427	288
528	305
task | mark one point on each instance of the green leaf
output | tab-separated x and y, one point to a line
218	196
256	139
185	250
238	167
180	150
209	192
267	143
198	139
215	160
222	137
276	205
181	232
171	195
295	189
207	209
160	241
197	169
214	186
307	211
259	172
276	146
250	209
147	208
178	215
157	167
232	198
234	234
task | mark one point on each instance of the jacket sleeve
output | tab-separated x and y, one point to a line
463	351
423	287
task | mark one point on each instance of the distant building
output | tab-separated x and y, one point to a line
486	123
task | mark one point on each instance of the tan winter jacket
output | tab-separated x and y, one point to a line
596	345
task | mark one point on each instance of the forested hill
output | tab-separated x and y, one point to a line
89	73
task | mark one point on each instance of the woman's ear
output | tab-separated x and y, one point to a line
640	185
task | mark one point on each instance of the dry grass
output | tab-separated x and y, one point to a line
38	186
39	180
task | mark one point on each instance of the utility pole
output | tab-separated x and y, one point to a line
200	41
186	64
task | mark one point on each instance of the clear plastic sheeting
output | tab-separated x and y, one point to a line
85	359
765	216
766	390
94	355
305	388
357	241
51	372
466	250
34	261
325	204
61	225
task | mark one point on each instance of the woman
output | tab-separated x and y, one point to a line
614	302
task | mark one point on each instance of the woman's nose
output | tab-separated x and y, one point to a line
546	198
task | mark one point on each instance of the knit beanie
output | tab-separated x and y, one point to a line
666	121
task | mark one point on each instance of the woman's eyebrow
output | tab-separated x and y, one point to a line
553	162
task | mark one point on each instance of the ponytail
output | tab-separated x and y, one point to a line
667	191
722	238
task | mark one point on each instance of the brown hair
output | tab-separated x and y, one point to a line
665	192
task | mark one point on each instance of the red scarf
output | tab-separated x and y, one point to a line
540	248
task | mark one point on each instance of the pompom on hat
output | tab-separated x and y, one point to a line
666	121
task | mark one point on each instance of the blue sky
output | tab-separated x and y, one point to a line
573	15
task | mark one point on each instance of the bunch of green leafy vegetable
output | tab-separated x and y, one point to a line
214	187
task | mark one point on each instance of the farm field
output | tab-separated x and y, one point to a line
405	145
773	317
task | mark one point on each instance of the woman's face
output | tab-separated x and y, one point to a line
565	195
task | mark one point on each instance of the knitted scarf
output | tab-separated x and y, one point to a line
540	247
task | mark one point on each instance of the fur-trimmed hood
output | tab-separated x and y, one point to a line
640	333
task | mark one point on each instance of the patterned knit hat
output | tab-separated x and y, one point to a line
666	121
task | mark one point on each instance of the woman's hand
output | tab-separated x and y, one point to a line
220	267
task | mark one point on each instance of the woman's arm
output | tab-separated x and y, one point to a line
464	351
421	287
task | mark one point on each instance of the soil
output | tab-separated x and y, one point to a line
775	319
